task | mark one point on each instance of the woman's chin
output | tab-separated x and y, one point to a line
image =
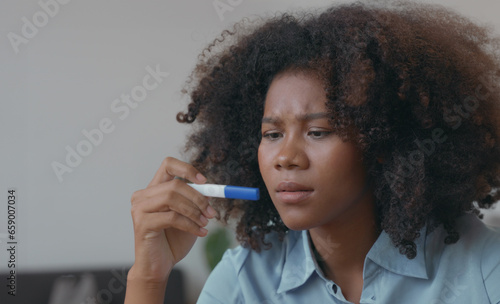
298	223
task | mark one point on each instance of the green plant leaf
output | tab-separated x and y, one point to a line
216	244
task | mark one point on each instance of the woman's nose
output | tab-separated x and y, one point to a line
292	155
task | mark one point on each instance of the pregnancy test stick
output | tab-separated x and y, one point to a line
226	191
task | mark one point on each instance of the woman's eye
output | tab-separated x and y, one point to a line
319	134
271	135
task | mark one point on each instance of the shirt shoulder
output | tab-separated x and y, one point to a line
467	271
241	271
482	240
478	254
490	260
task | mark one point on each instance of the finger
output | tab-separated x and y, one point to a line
182	205
165	220
172	167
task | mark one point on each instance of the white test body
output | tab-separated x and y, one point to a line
227	191
211	190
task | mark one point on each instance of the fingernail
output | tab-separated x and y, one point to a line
203	231
211	211
200	177
204	220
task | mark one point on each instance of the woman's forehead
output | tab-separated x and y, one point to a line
296	95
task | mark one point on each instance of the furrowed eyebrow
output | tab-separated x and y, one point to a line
270	120
303	117
313	116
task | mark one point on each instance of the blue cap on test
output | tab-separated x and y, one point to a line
246	193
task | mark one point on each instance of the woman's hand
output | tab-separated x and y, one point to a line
168	216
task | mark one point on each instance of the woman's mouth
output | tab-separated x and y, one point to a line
292	192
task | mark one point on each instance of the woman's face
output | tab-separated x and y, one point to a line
312	176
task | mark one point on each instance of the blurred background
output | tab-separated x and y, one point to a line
90	90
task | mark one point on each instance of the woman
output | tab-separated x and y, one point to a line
373	134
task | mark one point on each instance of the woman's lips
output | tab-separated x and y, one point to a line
291	197
292	192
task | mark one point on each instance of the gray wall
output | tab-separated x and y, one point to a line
64	76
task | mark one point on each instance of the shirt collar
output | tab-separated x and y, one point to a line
386	255
300	264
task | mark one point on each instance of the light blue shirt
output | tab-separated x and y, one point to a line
466	272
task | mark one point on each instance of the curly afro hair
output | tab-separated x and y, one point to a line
414	86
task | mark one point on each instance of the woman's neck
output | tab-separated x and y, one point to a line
341	246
